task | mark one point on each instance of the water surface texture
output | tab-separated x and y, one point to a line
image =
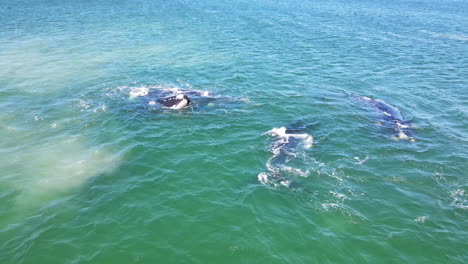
92	173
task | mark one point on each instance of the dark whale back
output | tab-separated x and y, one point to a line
392	117
388	110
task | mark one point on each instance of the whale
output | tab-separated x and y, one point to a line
392	116
173	98
174	102
284	149
287	140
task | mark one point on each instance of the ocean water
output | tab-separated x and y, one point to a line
91	173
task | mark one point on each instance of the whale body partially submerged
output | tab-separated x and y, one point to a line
175	102
285	148
175	98
392	116
287	140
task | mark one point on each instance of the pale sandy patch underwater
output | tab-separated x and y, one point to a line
89	175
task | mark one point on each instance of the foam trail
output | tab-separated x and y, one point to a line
137	92
284	149
163	91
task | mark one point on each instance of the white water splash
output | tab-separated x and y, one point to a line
138	91
283	145
421	219
169	90
360	161
459	199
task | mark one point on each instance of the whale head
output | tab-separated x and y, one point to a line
175	102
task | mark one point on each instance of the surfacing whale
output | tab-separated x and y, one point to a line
284	149
392	116
175	98
175	102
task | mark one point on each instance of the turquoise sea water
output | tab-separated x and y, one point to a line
89	175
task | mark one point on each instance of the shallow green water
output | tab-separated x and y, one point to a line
89	175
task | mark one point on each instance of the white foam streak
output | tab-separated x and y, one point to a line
359	161
284	136
276	170
421	219
137	92
447	36
296	171
459	199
